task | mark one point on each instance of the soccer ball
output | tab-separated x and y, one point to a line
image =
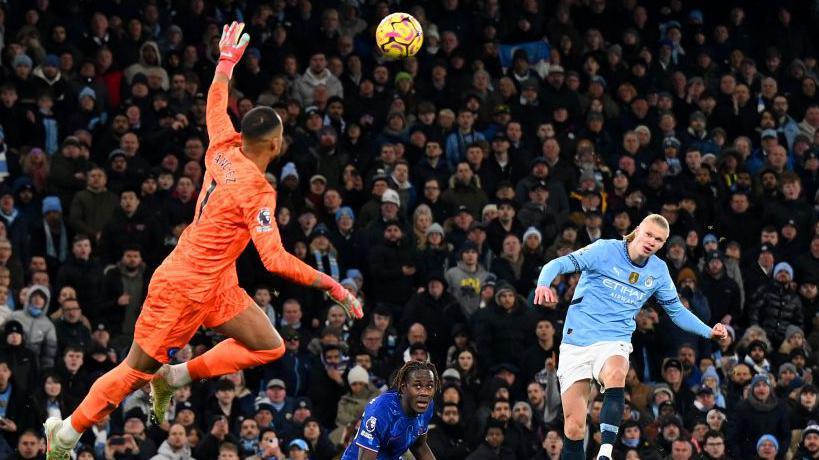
399	35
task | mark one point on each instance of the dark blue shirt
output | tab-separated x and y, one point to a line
387	430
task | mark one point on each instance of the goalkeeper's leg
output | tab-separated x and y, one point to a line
103	397
253	341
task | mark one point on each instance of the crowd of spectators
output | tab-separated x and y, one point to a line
435	188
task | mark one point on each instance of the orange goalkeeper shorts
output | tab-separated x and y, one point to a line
168	319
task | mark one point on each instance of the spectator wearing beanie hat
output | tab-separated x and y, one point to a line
391	266
505	328
760	413
776	305
434	308
41	335
794	339
352	403
767	447
345	239
722	292
809	443
21	360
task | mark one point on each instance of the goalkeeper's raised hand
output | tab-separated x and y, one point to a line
340	295
231	47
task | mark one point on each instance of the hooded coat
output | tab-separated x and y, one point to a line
39	332
146	69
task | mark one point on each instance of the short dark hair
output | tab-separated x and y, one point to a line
713	434
73	348
501	401
259	122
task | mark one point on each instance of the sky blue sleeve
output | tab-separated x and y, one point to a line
374	423
667	297
577	261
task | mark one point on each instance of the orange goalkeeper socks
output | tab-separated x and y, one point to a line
106	394
229	356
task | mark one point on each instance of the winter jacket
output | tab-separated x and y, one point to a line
86	277
61	179
448	442
775	307
723	295
142	67
389	283
165	452
40	334
91	211
350	407
306	84
502	335
432	313
469	195
484	452
22	362
751	420
465	286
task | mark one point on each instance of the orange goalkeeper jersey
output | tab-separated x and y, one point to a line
236	204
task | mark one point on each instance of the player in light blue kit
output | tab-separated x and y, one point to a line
617	277
398	420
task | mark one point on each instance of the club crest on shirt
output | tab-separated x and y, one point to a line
633	277
264	219
370	424
649	281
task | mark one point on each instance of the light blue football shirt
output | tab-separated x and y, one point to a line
611	291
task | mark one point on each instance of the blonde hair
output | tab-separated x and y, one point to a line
655	219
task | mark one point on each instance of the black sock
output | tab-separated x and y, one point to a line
611	414
572	450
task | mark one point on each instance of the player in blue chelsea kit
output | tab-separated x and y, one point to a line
398	420
617	278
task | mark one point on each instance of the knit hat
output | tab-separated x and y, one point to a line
451	374
791	330
403	76
710	372
51	204
664	388
288	170
710	238
767	437
13	326
758	343
532	231
345	211
358	374
350	283
21	59
783	266
686	274
87	91
813	428
786	367
759	378
391	196
434	228
299	443
355	274
502	287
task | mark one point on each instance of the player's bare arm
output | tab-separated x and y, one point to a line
421	451
367	454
